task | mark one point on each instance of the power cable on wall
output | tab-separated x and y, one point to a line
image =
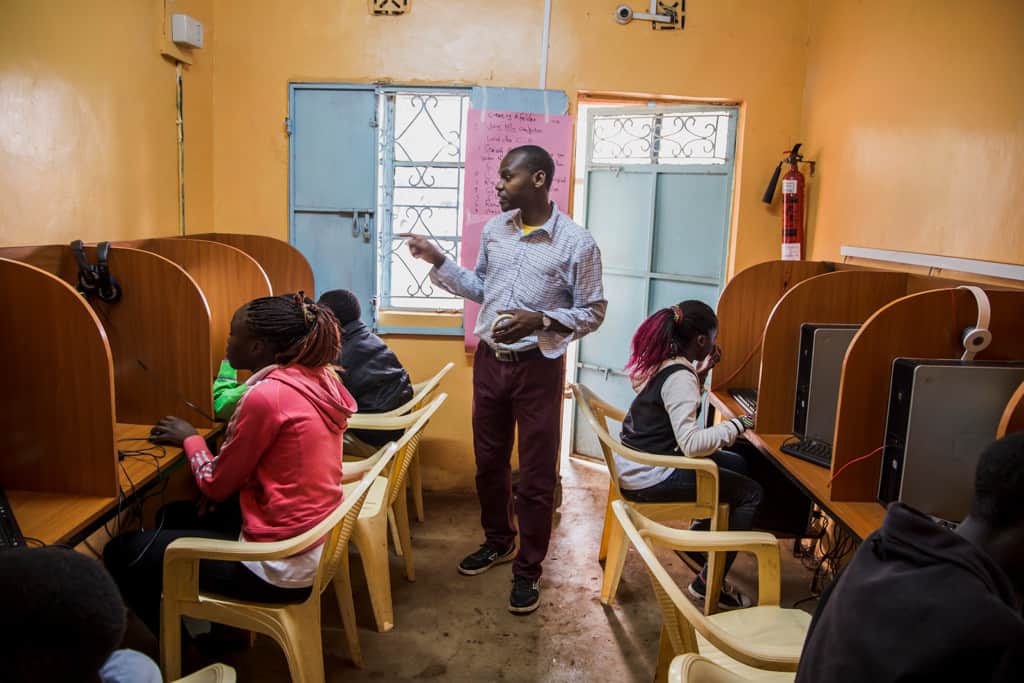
181	152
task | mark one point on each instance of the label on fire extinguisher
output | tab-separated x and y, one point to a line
789	186
791	252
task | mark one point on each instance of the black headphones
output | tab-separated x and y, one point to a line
95	279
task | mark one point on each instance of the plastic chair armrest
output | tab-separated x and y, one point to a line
764	546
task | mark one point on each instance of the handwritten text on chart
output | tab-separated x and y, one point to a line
489	136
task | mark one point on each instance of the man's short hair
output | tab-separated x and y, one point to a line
537	159
62	615
343	303
999	483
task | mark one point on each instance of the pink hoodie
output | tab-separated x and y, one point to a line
282	451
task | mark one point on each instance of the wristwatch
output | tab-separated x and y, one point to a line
545	321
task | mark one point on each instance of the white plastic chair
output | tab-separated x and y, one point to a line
295	627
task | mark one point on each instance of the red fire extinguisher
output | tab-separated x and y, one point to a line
793	202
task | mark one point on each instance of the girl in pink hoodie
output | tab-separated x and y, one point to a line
281	455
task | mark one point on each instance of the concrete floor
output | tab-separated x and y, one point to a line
451	627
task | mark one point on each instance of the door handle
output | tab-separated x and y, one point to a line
355	224
605	371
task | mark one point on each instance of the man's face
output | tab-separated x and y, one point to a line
516	185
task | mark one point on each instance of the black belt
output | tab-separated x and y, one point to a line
508	356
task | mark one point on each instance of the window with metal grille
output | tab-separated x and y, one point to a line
420	190
661	137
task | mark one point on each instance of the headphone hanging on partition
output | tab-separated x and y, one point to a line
977	338
95	279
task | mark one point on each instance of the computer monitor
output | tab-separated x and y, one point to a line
822	350
942	414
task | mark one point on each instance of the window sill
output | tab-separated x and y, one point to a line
420	323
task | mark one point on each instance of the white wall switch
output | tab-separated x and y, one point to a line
186	31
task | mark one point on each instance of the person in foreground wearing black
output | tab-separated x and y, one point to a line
919	602
62	619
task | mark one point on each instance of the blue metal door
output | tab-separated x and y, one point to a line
658	197
333	186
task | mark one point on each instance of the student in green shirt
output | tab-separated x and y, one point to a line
227	391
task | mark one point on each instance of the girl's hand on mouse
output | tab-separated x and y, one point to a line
172	431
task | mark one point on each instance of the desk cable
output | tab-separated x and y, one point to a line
857	459
739	368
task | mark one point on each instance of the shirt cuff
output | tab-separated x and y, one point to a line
447	271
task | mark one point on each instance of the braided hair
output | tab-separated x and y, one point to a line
666	333
299	331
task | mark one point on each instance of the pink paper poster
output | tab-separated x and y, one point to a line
489	136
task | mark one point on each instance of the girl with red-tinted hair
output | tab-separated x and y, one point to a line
672	352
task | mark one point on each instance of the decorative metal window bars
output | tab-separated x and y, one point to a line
389	8
664	137
421	177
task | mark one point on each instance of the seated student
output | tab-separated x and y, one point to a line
370	371
280	453
63	620
919	602
227	390
672	352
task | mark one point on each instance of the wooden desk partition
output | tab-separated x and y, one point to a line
162	322
845	296
923	325
285	266
1013	416
743	310
227	277
57	423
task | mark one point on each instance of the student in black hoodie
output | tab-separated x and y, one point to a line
919	602
370	371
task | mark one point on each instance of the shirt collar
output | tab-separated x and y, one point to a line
516	220
678	360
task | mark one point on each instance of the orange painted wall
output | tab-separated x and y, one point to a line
915	112
730	49
87	122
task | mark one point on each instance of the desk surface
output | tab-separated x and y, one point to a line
859	518
57	517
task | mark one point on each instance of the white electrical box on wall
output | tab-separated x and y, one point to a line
186	31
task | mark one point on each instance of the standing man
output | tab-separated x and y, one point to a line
544	270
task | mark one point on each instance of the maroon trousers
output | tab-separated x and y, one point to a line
527	393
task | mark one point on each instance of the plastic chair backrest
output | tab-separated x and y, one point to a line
679	630
680	616
415	423
214	673
339	524
421	393
423	390
598	413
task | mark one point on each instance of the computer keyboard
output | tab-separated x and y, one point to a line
10	533
747	398
818	452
